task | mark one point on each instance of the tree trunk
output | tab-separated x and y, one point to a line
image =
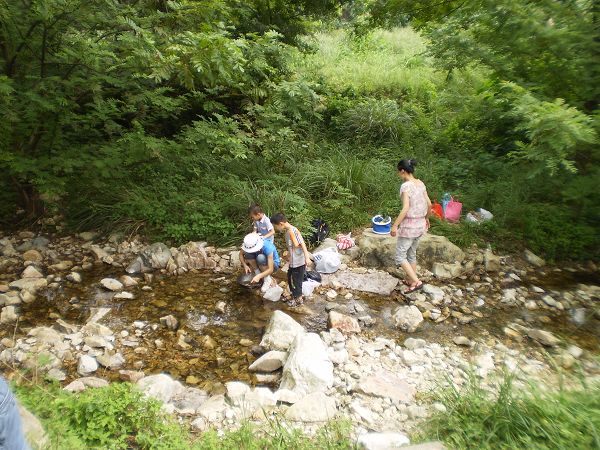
30	198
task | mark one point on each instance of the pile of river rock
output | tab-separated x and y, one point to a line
377	382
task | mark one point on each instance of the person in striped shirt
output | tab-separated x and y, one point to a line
298	255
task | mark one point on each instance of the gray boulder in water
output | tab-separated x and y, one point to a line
155	256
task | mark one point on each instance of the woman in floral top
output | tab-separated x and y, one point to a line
411	223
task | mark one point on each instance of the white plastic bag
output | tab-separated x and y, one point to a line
273	294
327	261
309	286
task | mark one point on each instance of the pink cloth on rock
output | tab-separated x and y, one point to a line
415	222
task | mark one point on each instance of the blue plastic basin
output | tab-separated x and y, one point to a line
381	225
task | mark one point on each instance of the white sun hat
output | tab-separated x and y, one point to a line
253	242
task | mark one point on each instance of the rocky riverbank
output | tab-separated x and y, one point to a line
85	311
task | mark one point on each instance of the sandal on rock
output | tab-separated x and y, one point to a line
413	289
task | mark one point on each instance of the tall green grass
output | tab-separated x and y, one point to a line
529	418
384	62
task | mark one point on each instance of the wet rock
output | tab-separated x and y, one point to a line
308	368
26	296
111	361
446	270
40	242
29	284
386	384
111	284
97	314
32	428
132	376
343	323
491	262
407	318
99	253
128	281
170	322
280	332
155	256
86	365
375	282
124	296
88	235
208	342
549	301
435	293
31	272
161	387
269	362
33	256
382	441
463	341
533	259
74	277
8	314
97	342
221	307
46	335
331	294
315	407
543	337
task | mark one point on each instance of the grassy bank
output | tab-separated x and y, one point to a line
119	417
528	418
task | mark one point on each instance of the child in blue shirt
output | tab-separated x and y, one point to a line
262	223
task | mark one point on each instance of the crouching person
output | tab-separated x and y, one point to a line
259	256
299	257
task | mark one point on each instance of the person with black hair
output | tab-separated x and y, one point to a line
411	223
298	254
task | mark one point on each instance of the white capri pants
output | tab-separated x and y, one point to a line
406	250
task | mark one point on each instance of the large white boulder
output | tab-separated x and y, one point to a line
160	386
382	441
308	368
376	282
380	250
281	332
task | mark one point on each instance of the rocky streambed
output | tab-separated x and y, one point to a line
217	353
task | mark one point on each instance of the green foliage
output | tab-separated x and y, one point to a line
517	419
113	417
120	417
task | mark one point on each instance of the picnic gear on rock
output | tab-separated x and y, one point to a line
320	233
453	210
327	260
437	210
381	225
312	275
344	241
309	286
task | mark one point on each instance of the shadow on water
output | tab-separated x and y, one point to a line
192	298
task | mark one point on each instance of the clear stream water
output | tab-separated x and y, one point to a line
192	297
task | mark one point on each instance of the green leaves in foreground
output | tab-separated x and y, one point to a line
120	417
517	419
